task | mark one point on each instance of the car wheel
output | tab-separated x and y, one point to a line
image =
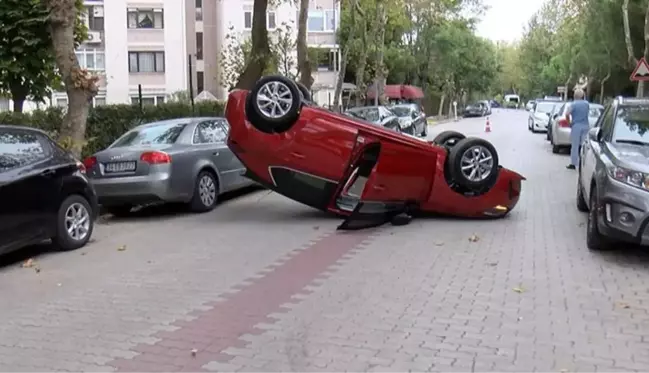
424	132
119	211
548	133
581	201
74	223
473	163
306	94
556	149
448	139
594	239
206	192
273	105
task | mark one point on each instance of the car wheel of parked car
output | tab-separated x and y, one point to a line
206	192
75	223
273	104
119	211
473	163
556	149
448	138
594	239
581	201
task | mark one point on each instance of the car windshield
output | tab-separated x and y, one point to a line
18	148
544	107
401	111
632	125
370	114
163	133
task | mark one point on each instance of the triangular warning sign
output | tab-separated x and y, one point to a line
641	72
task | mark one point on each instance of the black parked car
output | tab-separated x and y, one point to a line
478	109
44	193
412	119
379	115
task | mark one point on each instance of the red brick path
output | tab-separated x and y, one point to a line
219	328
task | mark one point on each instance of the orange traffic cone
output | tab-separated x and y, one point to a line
487	127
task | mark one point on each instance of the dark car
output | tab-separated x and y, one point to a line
44	193
412	119
477	109
379	115
613	182
359	170
487	106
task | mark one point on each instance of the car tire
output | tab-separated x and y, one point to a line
448	139
266	121
556	149
581	200
119	211
466	151
74	212
306	94
206	192
595	241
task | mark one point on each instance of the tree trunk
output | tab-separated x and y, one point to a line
440	111
380	45
80	85
566	84
601	86
303	63
345	57
18	95
260	52
361	88
633	61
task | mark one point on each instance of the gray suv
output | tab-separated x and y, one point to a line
613	182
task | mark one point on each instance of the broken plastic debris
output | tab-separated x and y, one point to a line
519	290
29	263
121	248
474	238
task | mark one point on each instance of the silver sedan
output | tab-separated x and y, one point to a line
179	160
560	128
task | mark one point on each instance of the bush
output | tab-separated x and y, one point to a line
106	123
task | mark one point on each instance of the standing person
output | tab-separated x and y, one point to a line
577	116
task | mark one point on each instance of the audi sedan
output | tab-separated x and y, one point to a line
179	160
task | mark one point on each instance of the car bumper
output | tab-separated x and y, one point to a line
561	136
472	114
624	213
540	126
134	189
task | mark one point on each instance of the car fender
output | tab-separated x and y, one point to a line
206	164
78	183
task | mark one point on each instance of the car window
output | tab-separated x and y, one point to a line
20	148
225	125
402	111
369	114
606	122
595	112
560	109
209	132
544	107
631	124
166	133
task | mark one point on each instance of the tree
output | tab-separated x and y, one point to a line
260	53
24	32
303	60
80	85
283	49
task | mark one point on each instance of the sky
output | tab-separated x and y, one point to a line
505	20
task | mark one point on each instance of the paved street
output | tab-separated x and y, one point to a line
265	284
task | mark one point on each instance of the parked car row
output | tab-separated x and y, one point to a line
477	109
47	194
613	172
404	118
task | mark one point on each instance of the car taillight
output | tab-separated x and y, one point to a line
89	163
563	122
155	157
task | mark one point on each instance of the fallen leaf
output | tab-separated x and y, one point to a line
29	263
492	264
519	290
84	253
194	351
623	305
439	243
37	269
122	248
474	238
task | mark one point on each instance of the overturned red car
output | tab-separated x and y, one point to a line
369	174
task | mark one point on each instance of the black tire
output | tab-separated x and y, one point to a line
306	94
595	241
548	134
119	211
199	204
556	149
401	219
448	138
63	240
260	119
456	154
581	201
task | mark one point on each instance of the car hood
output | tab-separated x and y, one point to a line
633	157
541	116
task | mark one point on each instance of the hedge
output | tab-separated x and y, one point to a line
107	122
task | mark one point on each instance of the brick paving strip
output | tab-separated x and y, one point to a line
219	328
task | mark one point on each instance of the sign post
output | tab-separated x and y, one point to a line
641	74
455	109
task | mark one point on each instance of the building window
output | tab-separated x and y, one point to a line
322	21
148	100
91	59
145	18
199	45
100	101
199	3
199	14
271	20
62	102
95	18
200	81
146	62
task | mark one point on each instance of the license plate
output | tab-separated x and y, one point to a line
120	167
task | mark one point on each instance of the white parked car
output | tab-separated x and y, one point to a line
559	129
539	118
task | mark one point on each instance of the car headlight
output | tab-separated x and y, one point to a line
633	178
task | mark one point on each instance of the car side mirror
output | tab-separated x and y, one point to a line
593	134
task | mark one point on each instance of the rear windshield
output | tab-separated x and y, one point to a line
19	149
401	111
154	135
369	114
545	107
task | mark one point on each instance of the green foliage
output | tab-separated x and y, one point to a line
106	123
27	67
